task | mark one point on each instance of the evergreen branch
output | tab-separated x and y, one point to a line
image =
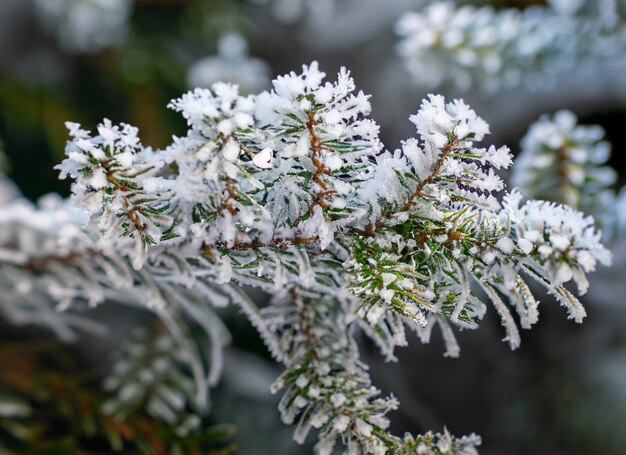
291	192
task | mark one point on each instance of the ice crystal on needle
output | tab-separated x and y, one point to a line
291	191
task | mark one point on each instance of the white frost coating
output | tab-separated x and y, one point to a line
436	120
566	234
525	245
505	245
264	158
231	151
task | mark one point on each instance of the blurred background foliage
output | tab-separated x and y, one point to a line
50	403
564	391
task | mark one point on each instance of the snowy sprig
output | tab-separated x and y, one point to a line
292	192
216	173
50	254
437	232
435	444
446	163
563	161
501	48
55	266
214	112
120	185
325	385
442	165
322	140
560	238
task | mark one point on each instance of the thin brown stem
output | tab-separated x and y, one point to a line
320	168
131	211
369	230
255	244
431	178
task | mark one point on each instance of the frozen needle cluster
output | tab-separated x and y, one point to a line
292	192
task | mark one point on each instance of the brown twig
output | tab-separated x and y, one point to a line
431	178
255	244
370	229
130	209
305	322
320	169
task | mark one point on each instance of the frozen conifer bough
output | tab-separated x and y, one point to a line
292	192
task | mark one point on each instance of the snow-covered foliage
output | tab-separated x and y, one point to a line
565	162
86	25
231	64
292	192
494	48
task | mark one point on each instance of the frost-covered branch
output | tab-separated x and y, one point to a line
292	192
